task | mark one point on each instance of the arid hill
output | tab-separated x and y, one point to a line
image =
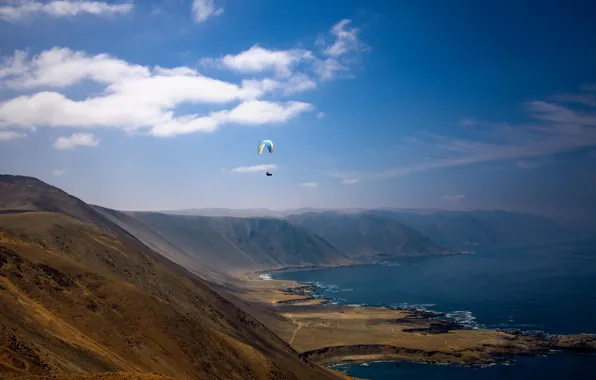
75	298
21	194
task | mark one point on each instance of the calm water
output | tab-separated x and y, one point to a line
550	288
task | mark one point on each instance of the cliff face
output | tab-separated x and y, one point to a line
76	297
231	245
362	235
239	245
457	230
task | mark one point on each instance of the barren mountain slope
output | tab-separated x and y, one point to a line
76	298
362	235
232	245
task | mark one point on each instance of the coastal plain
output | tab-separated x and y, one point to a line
331	334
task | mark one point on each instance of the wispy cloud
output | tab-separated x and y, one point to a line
205	9
309	184
18	10
346	40
342	53
58	172
335	61
253	169
9	135
346	178
454	197
467	122
585	99
532	164
76	139
551	129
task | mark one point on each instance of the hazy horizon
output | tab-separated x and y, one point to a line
160	105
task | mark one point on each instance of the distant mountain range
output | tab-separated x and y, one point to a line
252	212
361	235
465	229
230	245
455	230
265	212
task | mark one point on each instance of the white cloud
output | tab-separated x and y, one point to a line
454	197
259	112
135	96
298	83
253	169
309	184
76	139
258	60
346	39
330	68
335	62
320	115
143	99
58	172
204	9
350	181
20	9
342	53
62	67
253	112
8	135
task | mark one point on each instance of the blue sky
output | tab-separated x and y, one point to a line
161	104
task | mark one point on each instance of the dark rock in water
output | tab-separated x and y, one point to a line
302	290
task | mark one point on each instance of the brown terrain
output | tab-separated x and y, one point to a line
75	298
91	293
329	334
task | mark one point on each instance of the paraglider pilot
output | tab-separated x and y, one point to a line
266	144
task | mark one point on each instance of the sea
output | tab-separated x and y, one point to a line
549	288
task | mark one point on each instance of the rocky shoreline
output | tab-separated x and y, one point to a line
516	342
368	260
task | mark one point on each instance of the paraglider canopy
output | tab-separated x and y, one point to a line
266	143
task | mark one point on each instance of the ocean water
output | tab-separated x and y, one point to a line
550	288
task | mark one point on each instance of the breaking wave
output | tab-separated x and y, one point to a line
322	290
464	318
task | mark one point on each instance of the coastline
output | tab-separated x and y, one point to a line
368	260
340	334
